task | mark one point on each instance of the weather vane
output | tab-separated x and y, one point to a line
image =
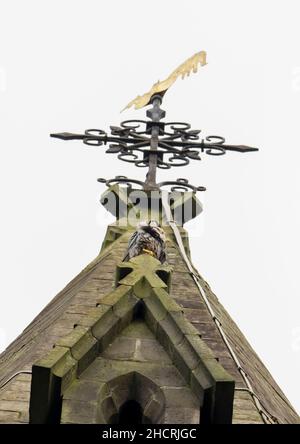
154	143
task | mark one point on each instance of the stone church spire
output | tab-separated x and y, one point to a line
141	341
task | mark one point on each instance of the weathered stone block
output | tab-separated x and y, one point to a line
61	363
157	311
181	415
108	408
137	329
78	412
101	370
153	410
185	360
150	350
86	391
83	346
15	395
182	324
166	301
142	288
115	296
181	397
9	417
198	346
199	382
121	348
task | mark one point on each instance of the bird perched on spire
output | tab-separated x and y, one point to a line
149	238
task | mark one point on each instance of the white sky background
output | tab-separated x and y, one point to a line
72	65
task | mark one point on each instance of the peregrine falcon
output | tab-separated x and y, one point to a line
149	238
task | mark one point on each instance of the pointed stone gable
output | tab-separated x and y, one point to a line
133	366
140	294
100	325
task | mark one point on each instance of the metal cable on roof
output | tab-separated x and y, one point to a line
24	372
265	415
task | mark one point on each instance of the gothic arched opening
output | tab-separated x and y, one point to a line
131	412
132	399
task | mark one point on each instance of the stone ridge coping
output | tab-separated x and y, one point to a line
144	273
73	353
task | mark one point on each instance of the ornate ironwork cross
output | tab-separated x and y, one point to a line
154	143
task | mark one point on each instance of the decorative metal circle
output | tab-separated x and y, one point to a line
163	165
141	163
122	180
133	125
178	161
216	149
92	137
92	141
216	139
181	185
178	126
124	156
95	132
179	188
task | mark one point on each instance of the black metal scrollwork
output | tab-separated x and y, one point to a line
179	185
177	143
155	144
122	180
171	154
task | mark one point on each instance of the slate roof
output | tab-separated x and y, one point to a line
93	283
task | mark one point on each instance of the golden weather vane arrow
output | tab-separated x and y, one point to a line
191	64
